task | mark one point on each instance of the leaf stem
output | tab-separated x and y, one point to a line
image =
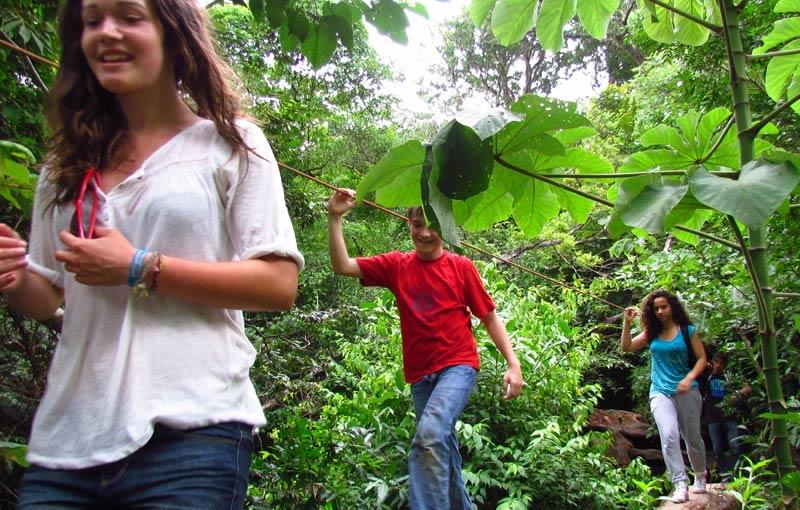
703	23
756	127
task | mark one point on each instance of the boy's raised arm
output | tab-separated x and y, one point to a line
512	380
341	261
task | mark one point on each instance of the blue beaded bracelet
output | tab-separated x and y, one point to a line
137	265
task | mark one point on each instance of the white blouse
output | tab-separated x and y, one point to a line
124	363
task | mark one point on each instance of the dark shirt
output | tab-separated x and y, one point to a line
716	389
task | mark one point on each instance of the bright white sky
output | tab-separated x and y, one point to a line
414	59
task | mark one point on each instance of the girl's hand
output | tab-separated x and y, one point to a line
629	313
102	261
684	386
342	201
12	258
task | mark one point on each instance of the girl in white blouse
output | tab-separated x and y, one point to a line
158	218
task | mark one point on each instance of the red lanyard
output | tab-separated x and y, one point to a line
91	175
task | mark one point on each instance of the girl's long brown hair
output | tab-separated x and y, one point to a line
651	325
87	124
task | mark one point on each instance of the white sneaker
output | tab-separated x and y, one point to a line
699	485
681	494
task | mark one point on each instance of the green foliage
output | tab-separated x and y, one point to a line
14	452
17	182
753	487
320	29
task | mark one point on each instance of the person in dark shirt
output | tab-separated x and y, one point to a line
723	427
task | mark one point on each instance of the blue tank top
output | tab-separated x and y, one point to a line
669	363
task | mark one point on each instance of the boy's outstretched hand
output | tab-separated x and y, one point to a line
342	201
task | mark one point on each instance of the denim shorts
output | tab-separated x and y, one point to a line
197	469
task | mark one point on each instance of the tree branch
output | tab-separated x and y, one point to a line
755	128
771	54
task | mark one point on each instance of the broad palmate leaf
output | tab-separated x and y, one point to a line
761	188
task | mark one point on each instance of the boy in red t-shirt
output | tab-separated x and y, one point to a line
436	292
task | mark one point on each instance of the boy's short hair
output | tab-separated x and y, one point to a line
413	211
720	356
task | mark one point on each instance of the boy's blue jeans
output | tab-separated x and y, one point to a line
725	435
203	468
434	465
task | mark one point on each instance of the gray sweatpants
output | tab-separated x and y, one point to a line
679	416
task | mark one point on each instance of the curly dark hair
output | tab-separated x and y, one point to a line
87	124
651	324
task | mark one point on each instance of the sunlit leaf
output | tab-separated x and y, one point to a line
484	210
479	9
595	15
553	15
399	160
537	206
687	31
784	30
783	73
512	19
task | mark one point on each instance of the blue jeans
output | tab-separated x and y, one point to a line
724	436
203	468
434	465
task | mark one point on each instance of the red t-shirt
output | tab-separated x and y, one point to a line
434	299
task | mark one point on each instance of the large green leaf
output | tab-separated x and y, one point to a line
595	15
783	74
438	208
537	206
760	189
553	15
787	6
484	210
571	136
646	200
654	159
695	221
659	26
783	31
464	161
399	160
479	9
403	191
689	146
512	19
390	19
488	124
577	206
257	8
687	31
542	115
343	28
319	45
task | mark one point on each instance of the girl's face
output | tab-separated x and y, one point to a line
123	42
662	309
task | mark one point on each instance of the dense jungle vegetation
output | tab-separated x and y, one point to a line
329	372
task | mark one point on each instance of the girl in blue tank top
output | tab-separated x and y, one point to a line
675	400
